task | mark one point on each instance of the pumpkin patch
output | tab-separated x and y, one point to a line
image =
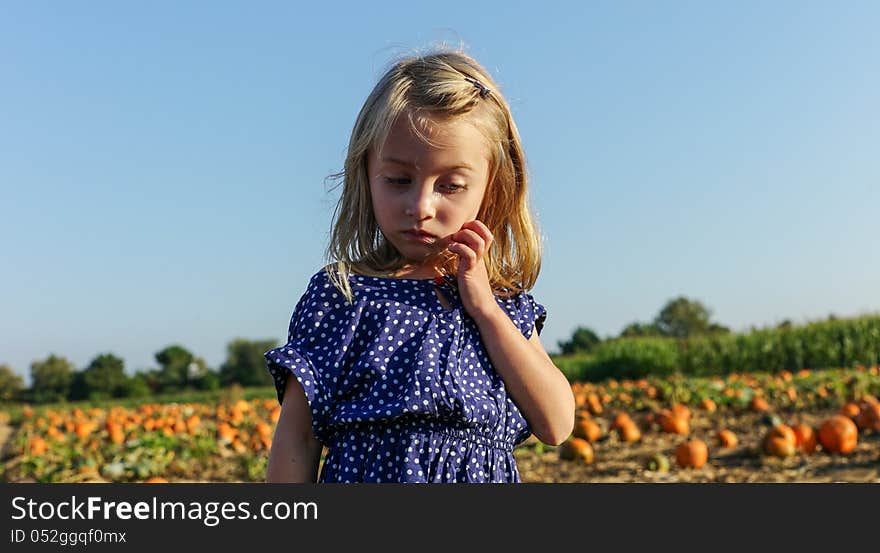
807	425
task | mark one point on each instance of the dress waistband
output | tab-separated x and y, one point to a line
461	432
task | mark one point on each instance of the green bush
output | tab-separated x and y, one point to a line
634	358
574	367
820	345
135	386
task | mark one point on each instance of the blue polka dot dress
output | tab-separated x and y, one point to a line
401	388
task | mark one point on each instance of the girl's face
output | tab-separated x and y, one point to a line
415	186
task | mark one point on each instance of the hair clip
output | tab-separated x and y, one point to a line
483	90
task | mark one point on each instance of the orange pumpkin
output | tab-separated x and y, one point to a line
758	404
780	441
193	422
708	405
576	449
629	432
691	454
805	438
869	417
681	411
37	445
727	438
620	419
672	424
838	434
83	429
594	404
226	432
56	434
778	446
155	480
263	429
850	410
587	429
117	435
783	431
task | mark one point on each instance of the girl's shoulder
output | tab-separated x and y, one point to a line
525	311
317	290
327	284
327	276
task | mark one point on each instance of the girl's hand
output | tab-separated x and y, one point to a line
471	244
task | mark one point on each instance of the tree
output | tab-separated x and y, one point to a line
583	340
209	380
136	386
682	317
11	384
105	376
637	330
51	379
78	388
178	367
245	363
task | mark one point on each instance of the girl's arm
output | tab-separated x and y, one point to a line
538	387
295	453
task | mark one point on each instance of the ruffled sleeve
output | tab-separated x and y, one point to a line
531	314
315	350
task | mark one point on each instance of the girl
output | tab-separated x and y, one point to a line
414	354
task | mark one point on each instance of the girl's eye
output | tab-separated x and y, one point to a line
404	181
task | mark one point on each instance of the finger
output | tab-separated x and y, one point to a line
467	255
472	239
480	228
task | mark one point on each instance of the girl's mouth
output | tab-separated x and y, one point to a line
420	237
443	260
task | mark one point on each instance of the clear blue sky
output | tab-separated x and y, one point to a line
162	165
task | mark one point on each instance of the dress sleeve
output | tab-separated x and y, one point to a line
314	352
531	314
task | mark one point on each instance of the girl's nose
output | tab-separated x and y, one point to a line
421	202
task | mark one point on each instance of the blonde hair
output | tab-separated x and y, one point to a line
426	89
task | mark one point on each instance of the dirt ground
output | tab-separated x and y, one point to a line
616	461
